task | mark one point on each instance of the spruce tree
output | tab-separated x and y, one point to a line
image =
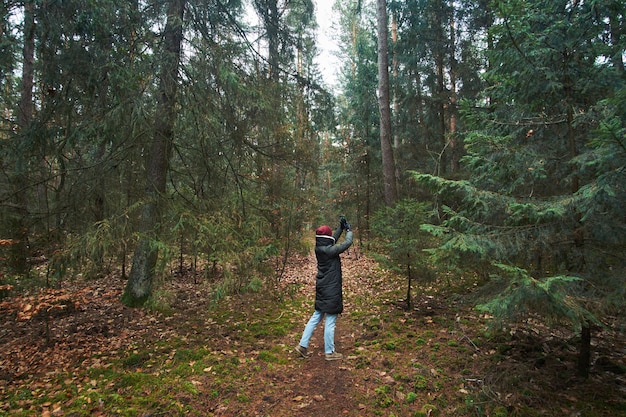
545	166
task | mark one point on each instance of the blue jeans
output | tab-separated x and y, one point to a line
329	330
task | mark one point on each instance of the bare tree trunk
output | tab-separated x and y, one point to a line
455	148
584	356
441	91
18	224
139	285
269	13
578	262
394	72
389	170
410	279
268	10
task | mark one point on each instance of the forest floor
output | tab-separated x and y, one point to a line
77	351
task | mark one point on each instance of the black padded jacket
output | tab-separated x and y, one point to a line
328	285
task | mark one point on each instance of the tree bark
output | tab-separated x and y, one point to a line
455	148
270	16
441	105
395	62
389	170
139	285
584	356
18	257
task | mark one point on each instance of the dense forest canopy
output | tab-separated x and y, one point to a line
144	136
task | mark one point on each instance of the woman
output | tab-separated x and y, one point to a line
328	288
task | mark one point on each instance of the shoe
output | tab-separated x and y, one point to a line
302	351
334	356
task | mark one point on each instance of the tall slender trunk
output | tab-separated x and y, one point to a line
577	264
584	355
394	71
455	148
410	279
139	285
441	92
389	170
18	224
268	10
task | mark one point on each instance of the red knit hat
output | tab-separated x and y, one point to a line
324	231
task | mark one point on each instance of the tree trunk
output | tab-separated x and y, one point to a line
269	13
578	263
410	279
268	10
455	148
395	72
139	285
584	356
441	93
18	256
389	170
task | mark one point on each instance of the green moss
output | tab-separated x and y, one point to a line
190	355
133	302
266	356
243	398
190	388
411	397
137	379
421	383
430	410
499	411
362	362
383	396
390	345
136	360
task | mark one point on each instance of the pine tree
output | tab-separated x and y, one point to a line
384	104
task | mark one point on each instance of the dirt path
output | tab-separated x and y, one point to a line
314	387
